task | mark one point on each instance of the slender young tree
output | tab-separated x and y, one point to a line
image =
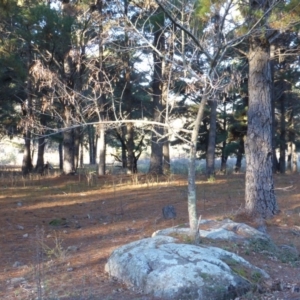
196	44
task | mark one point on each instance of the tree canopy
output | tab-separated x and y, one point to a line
120	73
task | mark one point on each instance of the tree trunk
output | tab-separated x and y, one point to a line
130	148
259	191
166	154
156	159
27	112
81	152
289	156
122	138
224	157
39	168
76	142
282	143
68	152
27	162
127	100
239	156
92	144
294	160
211	147
192	197
274	125
102	150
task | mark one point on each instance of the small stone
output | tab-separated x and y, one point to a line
277	286
72	248
48	236
17	264
70	269
25	235
17	280
169	212
19	204
20	227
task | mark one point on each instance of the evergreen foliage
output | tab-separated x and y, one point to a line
81	71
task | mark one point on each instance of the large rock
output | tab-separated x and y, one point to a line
169	270
222	230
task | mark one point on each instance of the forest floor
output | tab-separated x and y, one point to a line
57	232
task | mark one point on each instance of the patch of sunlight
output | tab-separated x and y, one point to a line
12	196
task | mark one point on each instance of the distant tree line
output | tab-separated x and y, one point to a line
96	73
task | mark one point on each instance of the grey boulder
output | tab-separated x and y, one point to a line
162	267
219	230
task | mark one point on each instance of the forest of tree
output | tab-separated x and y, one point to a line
92	73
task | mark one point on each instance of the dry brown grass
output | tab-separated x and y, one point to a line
74	223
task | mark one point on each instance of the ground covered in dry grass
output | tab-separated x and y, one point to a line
58	231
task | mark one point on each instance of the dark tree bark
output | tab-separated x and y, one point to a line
68	152
131	165
224	157
102	150
68	113
92	144
27	161
282	141
292	154
39	168
156	159
166	154
127	101
239	156
133	155
274	125
27	113
259	196
124	148
76	141
211	147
